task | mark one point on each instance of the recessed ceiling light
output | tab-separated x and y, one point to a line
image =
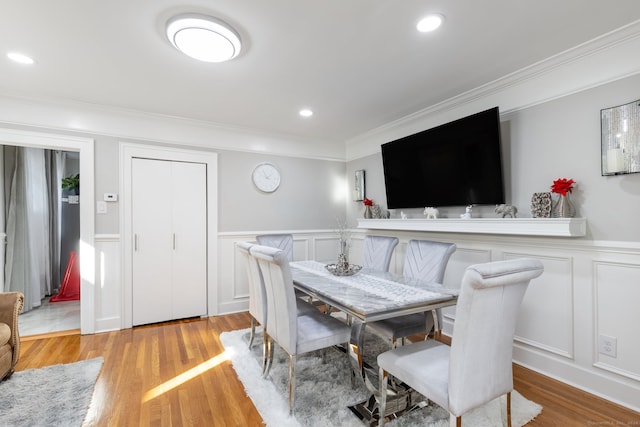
20	58
430	22
203	37
306	112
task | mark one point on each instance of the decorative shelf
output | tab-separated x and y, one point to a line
563	227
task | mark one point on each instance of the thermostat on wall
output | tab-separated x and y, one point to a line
110	197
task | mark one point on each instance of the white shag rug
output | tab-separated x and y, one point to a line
324	393
57	395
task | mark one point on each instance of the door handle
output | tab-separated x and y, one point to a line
135	242
174	241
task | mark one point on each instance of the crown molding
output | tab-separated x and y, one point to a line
94	119
602	60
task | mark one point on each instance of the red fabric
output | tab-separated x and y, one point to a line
70	289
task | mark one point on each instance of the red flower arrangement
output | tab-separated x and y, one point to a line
368	202
562	186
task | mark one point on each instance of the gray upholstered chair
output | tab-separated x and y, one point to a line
258	298
297	333
427	261
377	252
283	242
477	368
257	295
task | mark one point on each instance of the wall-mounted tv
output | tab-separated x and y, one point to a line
455	164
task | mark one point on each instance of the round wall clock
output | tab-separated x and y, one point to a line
266	177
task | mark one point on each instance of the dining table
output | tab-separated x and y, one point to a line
367	296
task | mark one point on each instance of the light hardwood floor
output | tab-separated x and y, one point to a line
175	374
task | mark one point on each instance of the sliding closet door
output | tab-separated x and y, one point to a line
189	292
169	249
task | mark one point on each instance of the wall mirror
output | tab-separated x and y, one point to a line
358	188
620	130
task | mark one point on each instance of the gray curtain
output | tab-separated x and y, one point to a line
31	214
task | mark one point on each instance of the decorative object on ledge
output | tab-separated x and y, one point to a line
368	213
620	139
358	188
431	213
506	210
541	205
563	208
467	212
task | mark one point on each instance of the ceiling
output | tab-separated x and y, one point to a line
358	64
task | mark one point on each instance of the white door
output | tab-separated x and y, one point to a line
189	276
169	278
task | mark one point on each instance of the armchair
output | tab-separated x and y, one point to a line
11	304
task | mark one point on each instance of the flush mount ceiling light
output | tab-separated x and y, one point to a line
20	58
306	112
203	37
430	22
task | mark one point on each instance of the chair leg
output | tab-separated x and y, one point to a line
382	402
509	409
292	383
269	356
265	349
253	331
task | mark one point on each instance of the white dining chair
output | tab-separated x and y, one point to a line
477	367
427	261
258	297
297	333
377	252
283	242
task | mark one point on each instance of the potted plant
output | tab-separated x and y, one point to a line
71	183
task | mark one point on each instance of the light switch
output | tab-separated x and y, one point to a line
101	207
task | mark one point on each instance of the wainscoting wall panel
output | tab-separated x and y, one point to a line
108	283
588	289
549	302
617	289
464	256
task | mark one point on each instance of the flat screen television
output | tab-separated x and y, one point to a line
455	164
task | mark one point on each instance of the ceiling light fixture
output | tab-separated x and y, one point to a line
20	58
203	37
430	22
306	112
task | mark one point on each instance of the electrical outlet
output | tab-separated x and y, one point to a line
608	345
